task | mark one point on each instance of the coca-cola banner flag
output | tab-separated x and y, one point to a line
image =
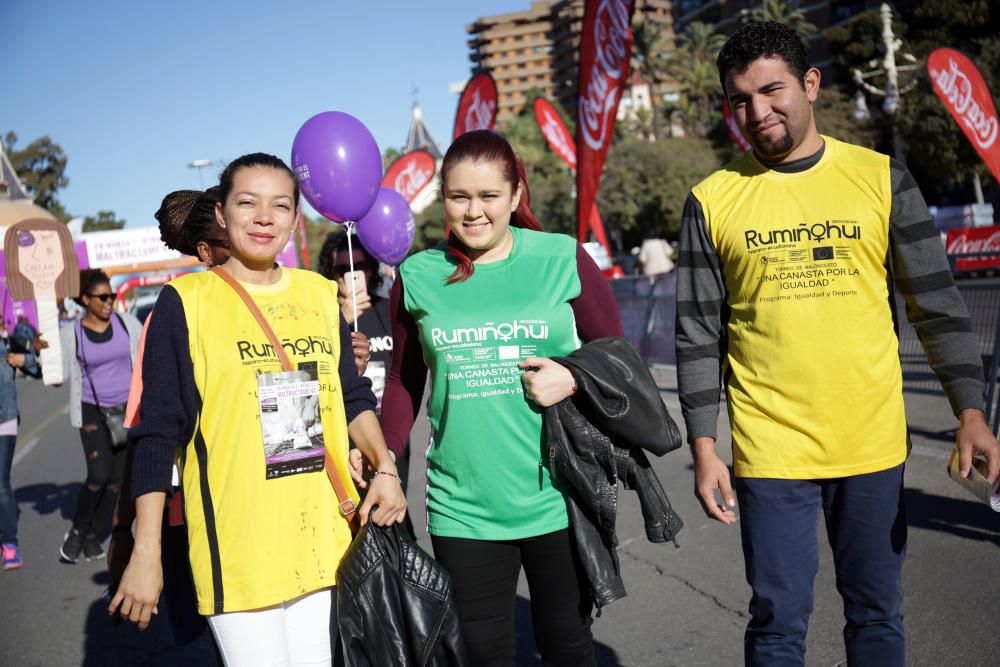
410	173
961	87
733	126
555	131
971	240
477	107
605	50
561	142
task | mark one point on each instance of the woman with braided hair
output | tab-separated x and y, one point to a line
187	225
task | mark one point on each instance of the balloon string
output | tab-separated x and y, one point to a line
349	228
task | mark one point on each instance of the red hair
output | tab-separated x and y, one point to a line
487	146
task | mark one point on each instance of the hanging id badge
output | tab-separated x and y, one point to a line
290	422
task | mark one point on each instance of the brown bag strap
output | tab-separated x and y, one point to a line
347	506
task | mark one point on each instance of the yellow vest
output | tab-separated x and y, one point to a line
813	378
256	542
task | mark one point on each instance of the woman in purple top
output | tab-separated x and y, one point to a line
98	352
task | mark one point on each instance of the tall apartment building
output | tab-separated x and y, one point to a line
727	16
539	47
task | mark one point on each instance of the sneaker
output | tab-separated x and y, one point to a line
11	557
69	552
92	549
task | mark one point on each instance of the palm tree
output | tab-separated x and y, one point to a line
701	41
781	11
649	46
692	65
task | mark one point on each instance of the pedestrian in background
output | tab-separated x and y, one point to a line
187	224
17	351
656	257
99	351
788	256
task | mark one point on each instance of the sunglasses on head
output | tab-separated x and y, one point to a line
341	269
102	297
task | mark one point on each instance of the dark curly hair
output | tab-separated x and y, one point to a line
763	40
328	258
89	279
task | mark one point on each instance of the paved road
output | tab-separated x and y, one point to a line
685	606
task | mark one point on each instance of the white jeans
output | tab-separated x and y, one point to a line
287	635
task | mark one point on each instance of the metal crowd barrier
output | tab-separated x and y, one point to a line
648	305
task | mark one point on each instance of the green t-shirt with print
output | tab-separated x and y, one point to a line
487	464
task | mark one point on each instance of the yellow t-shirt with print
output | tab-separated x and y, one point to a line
813	378
254	541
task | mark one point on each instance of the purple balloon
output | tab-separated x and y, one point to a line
387	229
337	164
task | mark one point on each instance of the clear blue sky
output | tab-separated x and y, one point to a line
134	91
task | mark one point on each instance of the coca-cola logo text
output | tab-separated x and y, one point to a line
964	245
600	99
479	115
557	138
958	90
411	180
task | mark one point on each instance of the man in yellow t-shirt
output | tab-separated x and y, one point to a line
783	292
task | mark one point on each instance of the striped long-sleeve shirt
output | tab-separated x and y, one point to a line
784	293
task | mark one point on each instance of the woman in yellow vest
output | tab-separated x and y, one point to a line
265	529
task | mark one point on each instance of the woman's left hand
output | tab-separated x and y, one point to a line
546	382
361	468
386	492
362	349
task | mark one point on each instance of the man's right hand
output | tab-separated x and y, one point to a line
710	475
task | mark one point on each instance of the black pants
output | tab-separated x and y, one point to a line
485	574
105	469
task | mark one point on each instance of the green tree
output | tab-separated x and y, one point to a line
649	47
941	159
41	165
833	110
781	11
104	221
430	227
645	185
389	156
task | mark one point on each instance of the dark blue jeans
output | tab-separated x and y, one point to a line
8	504
866	526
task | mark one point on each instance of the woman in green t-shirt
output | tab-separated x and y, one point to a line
483	312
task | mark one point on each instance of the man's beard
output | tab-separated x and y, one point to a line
773	148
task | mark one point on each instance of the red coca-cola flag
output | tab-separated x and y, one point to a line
555	131
733	126
961	87
605	50
561	142
971	240
477	107
410	173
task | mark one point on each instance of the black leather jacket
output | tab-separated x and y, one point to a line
601	435
395	605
